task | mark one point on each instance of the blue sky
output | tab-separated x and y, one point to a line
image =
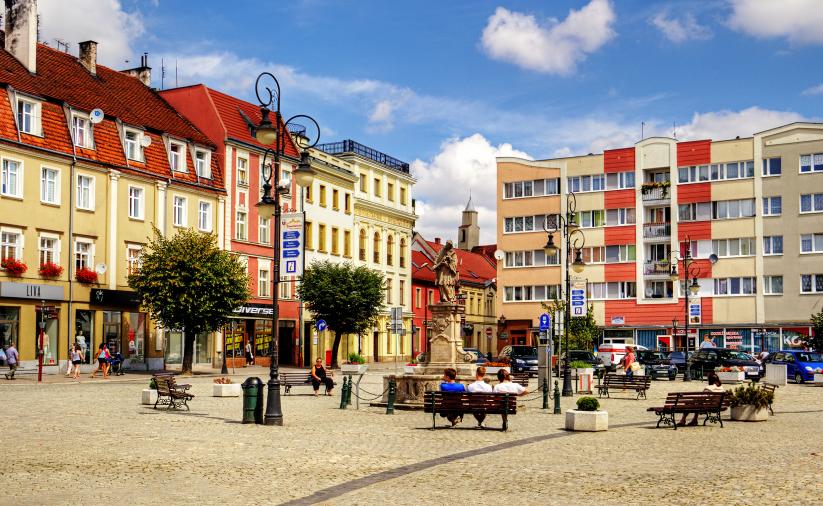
449	85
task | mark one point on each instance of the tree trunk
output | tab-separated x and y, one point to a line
334	348
188	352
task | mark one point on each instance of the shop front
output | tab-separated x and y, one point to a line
31	318
124	326
252	325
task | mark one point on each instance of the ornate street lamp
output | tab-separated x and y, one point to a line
274	133
690	270
569	230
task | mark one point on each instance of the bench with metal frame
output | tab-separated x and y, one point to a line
296	379
710	404
462	403
170	394
620	382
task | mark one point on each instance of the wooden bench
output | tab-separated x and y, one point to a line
520	377
769	387
296	379
710	404
620	382
170	393
461	403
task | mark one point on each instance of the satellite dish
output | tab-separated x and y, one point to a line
499	254
96	115
145	141
713	258
100	268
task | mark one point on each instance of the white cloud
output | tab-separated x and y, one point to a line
799	21
444	182
553	47
729	124
104	21
814	90
680	30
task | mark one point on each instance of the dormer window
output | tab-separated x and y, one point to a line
177	156
202	163
28	116
134	151
81	131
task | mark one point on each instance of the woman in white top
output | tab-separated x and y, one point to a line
506	386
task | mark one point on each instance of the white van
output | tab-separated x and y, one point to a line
613	349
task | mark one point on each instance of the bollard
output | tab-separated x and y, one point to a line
545	393
343	394
348	390
556	399
392	395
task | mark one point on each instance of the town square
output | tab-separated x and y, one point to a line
339	252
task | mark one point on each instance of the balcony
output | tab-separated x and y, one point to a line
654	192
662	231
657	268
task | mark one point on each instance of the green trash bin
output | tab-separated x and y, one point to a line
252	400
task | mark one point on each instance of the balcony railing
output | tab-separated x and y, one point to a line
659	193
657	230
350	146
657	267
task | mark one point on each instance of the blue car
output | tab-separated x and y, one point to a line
800	365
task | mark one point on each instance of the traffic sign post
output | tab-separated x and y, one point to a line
545	322
291	244
577	297
321	325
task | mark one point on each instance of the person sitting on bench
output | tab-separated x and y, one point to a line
449	385
318	376
479	387
714	386
506	386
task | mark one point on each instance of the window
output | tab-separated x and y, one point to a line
593	183
809	163
49	185
738	247
613	290
335	199
321	238
11	244
136	202
49	252
591	255
347	243
362	246
378	190
625	216
364	183
204	216
418	298
620	180
531	293
402	299
179	211
309	235
388	291
526	223
591	219
83	254
529	258
811	283
11	180
376	251
390	191
335	241
700	211
133	148
735	286
730	209
772	166
285	290
773	245
177	156
242	171
716	172
202	163
240	225
263	231
390	250
811	203
322	193
85	192
28	116
347	203
403	198
402	253
81	131
773	285
811	243
622	253
263	282
310	193
133	260
772	206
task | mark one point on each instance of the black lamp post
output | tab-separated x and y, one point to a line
575	240
690	271
275	133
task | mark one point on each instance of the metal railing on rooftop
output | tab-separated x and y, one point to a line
350	146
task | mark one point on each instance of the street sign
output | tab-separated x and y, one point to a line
577	294
488	331
291	244
545	321
544	337
321	325
695	312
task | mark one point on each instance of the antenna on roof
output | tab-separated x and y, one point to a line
62	45
162	73
674	130
642	125
175	73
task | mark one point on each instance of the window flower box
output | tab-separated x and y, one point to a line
13	267
86	276
50	270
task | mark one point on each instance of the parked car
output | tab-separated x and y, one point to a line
657	364
481	357
800	365
678	359
520	358
585	356
708	359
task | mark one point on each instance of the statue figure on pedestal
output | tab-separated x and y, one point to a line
445	267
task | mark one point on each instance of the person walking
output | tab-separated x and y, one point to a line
628	360
102	364
249	353
76	360
12	359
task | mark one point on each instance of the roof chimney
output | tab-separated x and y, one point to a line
143	72
21	32
437	240
88	56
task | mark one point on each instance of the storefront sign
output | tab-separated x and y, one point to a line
291	244
120	298
260	310
30	291
618	320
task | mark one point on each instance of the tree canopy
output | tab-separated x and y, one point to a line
348	298
583	331
815	341
187	283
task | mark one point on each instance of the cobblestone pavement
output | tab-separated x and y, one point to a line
91	442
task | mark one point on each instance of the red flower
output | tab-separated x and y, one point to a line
86	276
14	268
50	270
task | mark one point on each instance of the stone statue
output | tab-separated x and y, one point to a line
445	266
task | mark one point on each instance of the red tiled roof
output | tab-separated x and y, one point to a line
421	267
473	267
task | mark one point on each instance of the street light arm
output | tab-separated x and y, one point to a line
272	95
316	125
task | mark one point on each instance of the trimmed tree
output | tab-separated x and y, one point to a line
815	341
348	298
583	331
186	282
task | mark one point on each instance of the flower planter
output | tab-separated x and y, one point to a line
148	396
409	369
747	413
353	368
493	370
587	421
226	390
731	377
818	378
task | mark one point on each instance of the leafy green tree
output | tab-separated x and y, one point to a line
583	331
186	282
349	298
815	341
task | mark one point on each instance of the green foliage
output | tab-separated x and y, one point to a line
356	358
583	331
579	364
750	394
815	341
588	404
186	282
349	298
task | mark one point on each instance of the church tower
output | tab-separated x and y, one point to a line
468	234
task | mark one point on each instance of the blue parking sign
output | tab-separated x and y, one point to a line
545	321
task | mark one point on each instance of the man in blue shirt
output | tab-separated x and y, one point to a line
449	385
12	359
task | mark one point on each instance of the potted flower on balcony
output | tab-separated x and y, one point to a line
750	403
86	276
50	270
356	364
587	417
14	267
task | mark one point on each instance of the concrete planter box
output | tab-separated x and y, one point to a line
148	396
493	370
775	374
354	368
410	369
588	421
818	378
747	413
731	377
226	390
